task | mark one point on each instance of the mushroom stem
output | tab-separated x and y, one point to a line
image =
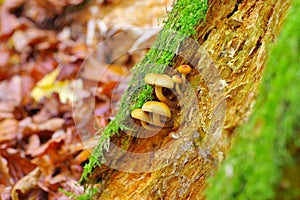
149	127
178	89
160	96
177	81
156	120
183	78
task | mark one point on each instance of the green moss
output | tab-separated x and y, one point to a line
254	165
182	20
88	195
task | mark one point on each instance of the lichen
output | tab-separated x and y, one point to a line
184	17
259	153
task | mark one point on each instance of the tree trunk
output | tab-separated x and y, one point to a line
236	36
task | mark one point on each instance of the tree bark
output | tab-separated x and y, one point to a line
236	36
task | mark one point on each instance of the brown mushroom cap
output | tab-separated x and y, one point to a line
141	115
156	107
176	79
184	69
161	80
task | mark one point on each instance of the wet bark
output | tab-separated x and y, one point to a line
236	36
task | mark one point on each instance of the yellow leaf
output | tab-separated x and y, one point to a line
48	85
49	79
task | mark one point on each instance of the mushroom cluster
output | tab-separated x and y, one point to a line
153	114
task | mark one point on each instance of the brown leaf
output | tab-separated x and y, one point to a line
8	23
72	186
82	156
33	144
54	142
8	71
11	90
42	66
53	124
4	58
5	178
28	127
27	85
6	110
11	5
5	192
8	130
27	183
18	165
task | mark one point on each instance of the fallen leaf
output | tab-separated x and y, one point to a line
33	144
6	110
42	66
8	23
27	183
4	58
82	156
5	178
8	130
54	141
48	85
5	192
72	186
11	5
18	164
11	90
53	124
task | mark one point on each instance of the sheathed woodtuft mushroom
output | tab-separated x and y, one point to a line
159	81
157	109
144	117
184	70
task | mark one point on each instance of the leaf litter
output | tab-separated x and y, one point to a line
42	47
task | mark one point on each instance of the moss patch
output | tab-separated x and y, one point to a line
254	166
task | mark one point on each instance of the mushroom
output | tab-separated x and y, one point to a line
144	117
159	81
184	70
177	80
157	109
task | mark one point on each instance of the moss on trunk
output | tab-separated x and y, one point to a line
183	18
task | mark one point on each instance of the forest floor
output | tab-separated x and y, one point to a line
43	45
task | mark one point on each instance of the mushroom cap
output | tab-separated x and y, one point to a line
157	107
141	115
184	69
177	79
162	80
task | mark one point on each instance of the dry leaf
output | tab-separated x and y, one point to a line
33	144
8	130
53	124
18	164
48	85
5	178
11	90
6	110
82	156
5	192
27	183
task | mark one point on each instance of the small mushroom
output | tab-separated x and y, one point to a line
144	117
177	80
159	81
184	70
157	109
